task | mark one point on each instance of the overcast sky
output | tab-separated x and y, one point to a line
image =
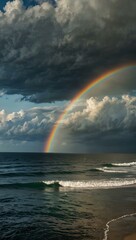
49	50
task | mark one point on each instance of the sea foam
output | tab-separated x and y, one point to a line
94	184
107	170
107	228
124	164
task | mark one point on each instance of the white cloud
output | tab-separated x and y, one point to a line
98	124
103	115
31	125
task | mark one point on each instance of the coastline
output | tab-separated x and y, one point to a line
131	237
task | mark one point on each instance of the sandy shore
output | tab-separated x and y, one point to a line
131	237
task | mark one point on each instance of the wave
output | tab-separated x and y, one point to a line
106	170
108	165
95	184
34	185
107	228
124	164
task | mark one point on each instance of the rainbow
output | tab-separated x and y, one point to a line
92	84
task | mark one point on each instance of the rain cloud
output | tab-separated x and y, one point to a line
48	51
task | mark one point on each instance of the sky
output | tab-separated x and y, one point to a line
49	51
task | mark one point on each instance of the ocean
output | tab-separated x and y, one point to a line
67	196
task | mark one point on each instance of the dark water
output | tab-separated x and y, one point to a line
62	197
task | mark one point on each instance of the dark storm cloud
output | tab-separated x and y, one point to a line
31	125
106	124
48	52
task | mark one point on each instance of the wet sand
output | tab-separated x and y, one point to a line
131	237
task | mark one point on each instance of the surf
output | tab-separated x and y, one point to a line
56	184
94	184
124	164
107	227
107	170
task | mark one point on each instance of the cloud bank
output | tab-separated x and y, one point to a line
31	125
48	51
106	124
104	115
103	124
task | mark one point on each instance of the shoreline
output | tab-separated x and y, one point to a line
130	237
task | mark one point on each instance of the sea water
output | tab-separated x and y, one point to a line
67	196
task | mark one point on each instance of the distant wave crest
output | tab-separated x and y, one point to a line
124	164
107	170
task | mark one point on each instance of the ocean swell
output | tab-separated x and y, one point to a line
94	184
107	170
56	184
124	164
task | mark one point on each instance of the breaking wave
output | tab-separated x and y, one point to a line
95	184
124	164
106	170
55	184
33	185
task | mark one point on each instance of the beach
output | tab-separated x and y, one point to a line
131	237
